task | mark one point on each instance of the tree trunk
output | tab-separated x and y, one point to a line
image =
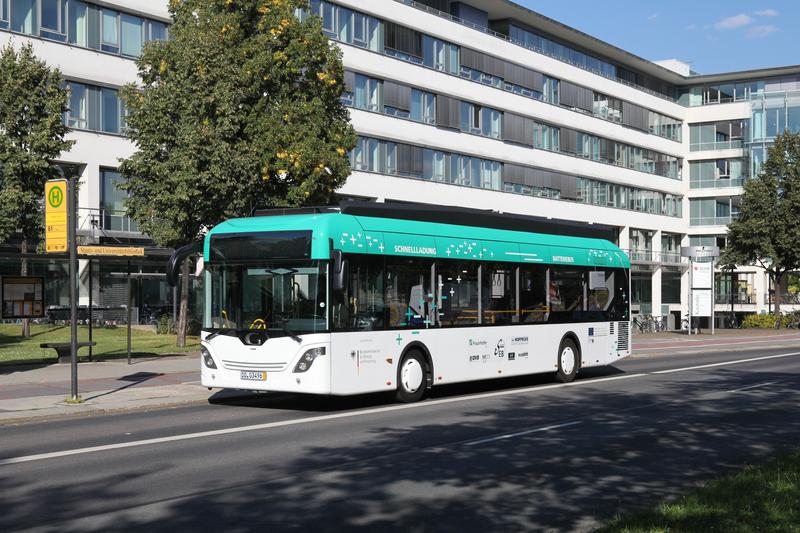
778	276
183	309
26	323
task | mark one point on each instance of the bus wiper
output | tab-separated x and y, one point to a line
221	331
290	333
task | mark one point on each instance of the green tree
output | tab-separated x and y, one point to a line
32	104
767	232
240	109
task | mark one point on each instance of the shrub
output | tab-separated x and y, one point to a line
767	320
165	325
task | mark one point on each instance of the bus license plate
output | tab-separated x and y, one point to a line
251	375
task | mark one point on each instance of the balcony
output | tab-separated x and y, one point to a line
650	256
718	145
710	221
716	183
722	298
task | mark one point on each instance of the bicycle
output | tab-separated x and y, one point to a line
695	325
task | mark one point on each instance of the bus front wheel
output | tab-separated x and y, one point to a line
568	361
411	378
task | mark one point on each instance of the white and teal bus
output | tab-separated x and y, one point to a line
334	303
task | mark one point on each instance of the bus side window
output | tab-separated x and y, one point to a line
533	293
405	296
498	294
367	307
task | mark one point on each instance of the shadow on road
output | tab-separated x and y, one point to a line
419	470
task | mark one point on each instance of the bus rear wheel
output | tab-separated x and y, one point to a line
568	361
411	378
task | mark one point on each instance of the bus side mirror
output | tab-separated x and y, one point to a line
339	276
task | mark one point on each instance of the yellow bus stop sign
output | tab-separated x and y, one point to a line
55	216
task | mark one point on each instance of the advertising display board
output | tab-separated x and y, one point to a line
22	297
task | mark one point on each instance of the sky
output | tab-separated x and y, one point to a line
710	35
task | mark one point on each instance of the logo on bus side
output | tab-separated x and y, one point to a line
405	249
515	341
500	349
563	259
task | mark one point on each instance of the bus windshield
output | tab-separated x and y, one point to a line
283	297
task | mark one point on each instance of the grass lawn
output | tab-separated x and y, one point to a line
759	498
111	343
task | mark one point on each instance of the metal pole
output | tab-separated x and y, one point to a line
691	293
129	312
731	289
90	310
713	304
73	286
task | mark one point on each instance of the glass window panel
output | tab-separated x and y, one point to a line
77	22
458	293
498	294
109	33
76	116
407	293
132	33
23	16
51	14
158	31
110	111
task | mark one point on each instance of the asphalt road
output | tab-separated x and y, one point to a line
510	455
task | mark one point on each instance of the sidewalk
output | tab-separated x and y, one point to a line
35	391
32	391
655	344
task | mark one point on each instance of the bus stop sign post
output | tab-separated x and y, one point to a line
73	286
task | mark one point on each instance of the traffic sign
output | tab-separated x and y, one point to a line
55	216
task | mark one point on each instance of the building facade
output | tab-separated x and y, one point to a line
482	104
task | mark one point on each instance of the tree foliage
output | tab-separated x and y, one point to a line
239	109
32	104
767	232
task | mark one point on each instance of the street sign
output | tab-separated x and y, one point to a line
697	252
22	297
702	275
126	251
701	303
55	216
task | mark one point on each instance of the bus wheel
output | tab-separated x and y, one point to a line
411	379
567	361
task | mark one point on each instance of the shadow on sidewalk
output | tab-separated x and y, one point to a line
135	379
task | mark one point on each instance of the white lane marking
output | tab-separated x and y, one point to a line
753	386
519	433
734	362
307	420
654	348
351	414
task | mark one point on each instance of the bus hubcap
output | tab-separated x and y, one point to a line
567	360
411	375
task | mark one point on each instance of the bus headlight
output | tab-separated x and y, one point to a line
207	359
307	359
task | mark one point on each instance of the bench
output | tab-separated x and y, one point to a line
64	349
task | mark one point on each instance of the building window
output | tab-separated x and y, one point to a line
53	19
132	35
94	109
81	24
368	93
77	23
440	55
23	16
481	120
423	106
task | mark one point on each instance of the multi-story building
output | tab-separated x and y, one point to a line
482	104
